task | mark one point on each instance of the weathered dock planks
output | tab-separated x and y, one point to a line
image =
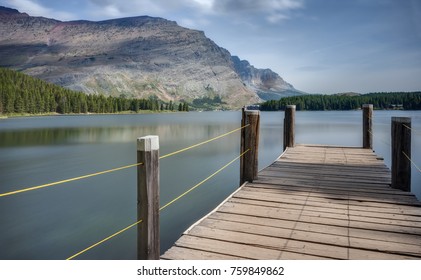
314	202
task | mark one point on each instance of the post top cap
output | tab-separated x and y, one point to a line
367	105
252	112
291	106
401	119
148	143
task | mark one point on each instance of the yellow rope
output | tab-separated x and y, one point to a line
103	240
411	128
166	205
116	169
202	182
419	170
68	180
202	143
416	166
381	140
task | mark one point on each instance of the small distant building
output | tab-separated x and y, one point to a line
396	106
253	107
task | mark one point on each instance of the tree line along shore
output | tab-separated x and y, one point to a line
322	102
21	94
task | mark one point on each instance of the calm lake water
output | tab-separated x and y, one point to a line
57	222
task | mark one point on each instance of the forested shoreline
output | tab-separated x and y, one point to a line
320	102
22	94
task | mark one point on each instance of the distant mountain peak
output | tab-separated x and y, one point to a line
267	84
135	56
6	10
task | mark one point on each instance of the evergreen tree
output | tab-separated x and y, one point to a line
19	105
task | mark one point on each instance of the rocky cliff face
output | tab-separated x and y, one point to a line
137	57
266	83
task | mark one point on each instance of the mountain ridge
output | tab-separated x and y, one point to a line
136	57
266	83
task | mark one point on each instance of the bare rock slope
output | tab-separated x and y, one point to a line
266	83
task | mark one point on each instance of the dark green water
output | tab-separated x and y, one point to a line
56	222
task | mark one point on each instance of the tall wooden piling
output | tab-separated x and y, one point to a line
250	141
401	153
148	198
243	137
368	126
289	126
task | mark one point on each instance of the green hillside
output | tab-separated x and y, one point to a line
22	94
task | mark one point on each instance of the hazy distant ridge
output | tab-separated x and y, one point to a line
266	83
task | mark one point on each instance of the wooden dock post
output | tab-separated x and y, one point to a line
289	126
401	153
368	126
148	198
250	140
243	136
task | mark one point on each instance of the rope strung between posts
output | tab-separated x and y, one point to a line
410	160
118	168
388	144
203	181
103	240
375	137
69	180
381	139
160	209
416	166
202	143
411	128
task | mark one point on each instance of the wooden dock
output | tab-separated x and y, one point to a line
314	202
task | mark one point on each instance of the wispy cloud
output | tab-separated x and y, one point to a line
35	9
416	16
195	23
312	68
108	11
28	6
204	5
257	6
277	17
273	10
196	13
101	9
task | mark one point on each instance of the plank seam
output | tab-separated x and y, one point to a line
318	232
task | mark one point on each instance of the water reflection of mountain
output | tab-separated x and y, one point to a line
122	134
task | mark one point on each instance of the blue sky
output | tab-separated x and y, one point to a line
319	46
